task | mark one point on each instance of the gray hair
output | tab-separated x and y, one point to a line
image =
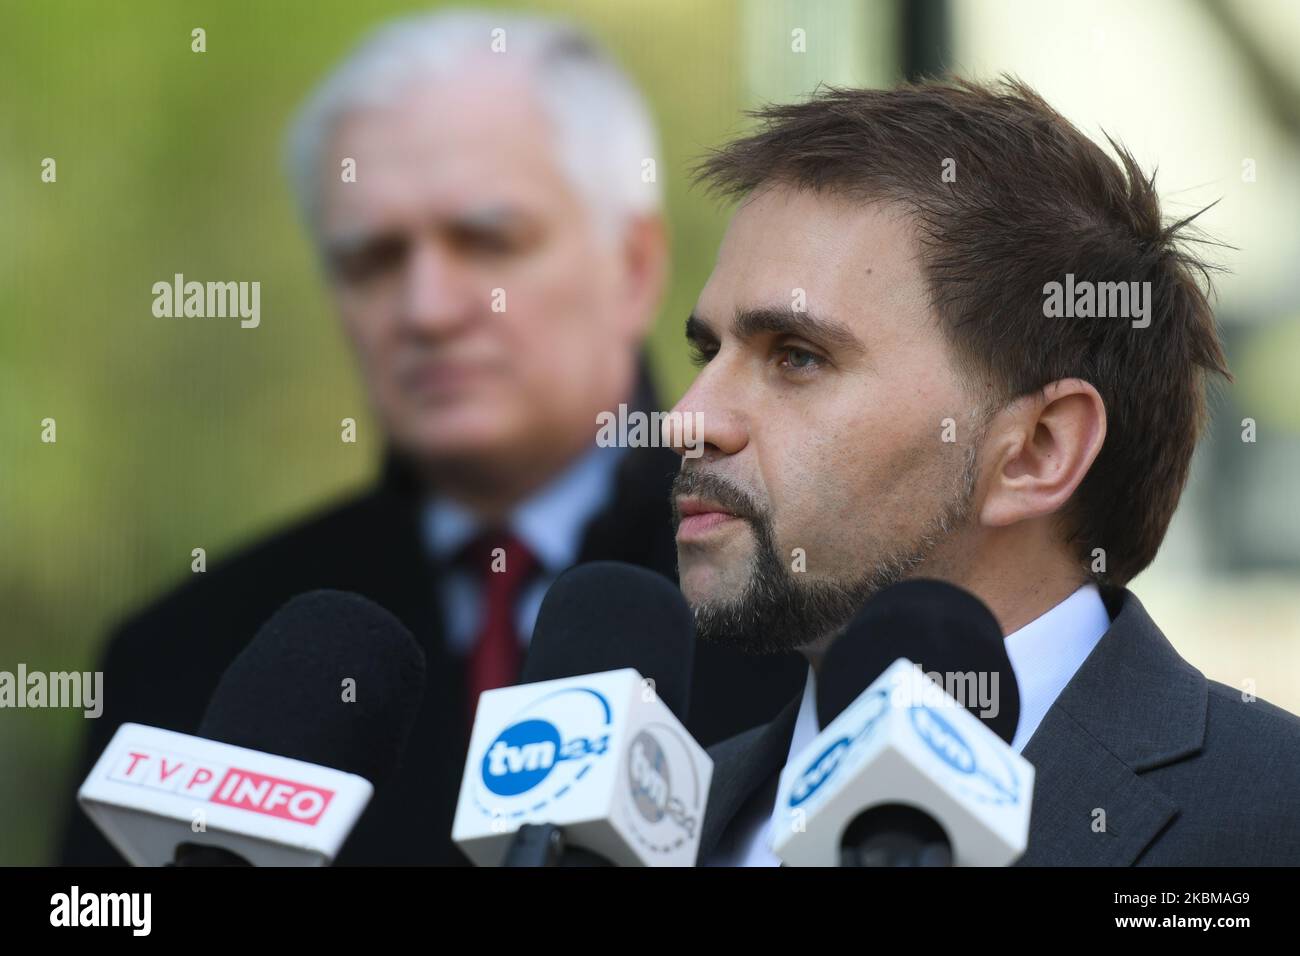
605	134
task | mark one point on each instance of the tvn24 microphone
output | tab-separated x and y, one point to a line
311	715
587	762
902	773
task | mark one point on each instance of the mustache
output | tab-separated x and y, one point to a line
713	487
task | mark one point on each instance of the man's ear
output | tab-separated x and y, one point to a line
1038	450
645	271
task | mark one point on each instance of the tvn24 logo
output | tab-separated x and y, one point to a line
552	744
865	715
981	770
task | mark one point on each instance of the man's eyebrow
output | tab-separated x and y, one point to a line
488	217
697	330
346	242
820	330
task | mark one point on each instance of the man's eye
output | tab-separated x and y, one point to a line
701	354
486	243
496	241
370	262
800	360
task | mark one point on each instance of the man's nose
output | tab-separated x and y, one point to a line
436	299
709	421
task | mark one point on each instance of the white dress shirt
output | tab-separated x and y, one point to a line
1045	654
551	524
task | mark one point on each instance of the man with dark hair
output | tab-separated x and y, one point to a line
890	388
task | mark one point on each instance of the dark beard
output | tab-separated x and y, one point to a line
777	611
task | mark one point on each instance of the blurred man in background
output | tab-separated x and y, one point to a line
476	187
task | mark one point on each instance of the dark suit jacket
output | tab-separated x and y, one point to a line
1187	772
161	666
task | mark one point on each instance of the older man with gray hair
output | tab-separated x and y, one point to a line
483	193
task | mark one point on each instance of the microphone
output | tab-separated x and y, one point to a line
587	761
915	769
605	616
310	716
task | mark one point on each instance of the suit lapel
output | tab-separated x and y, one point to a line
1133	706
1079	787
741	765
393	566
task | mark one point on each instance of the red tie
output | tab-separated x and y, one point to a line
503	564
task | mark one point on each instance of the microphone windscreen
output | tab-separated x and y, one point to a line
286	694
607	615
936	625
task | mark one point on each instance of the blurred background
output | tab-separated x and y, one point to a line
173	436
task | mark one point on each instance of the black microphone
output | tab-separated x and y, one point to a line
286	694
935	625
607	615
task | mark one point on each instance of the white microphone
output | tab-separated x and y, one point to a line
310	716
154	790
905	742
916	769
590	754
599	756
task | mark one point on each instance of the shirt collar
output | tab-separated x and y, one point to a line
550	523
1047	652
